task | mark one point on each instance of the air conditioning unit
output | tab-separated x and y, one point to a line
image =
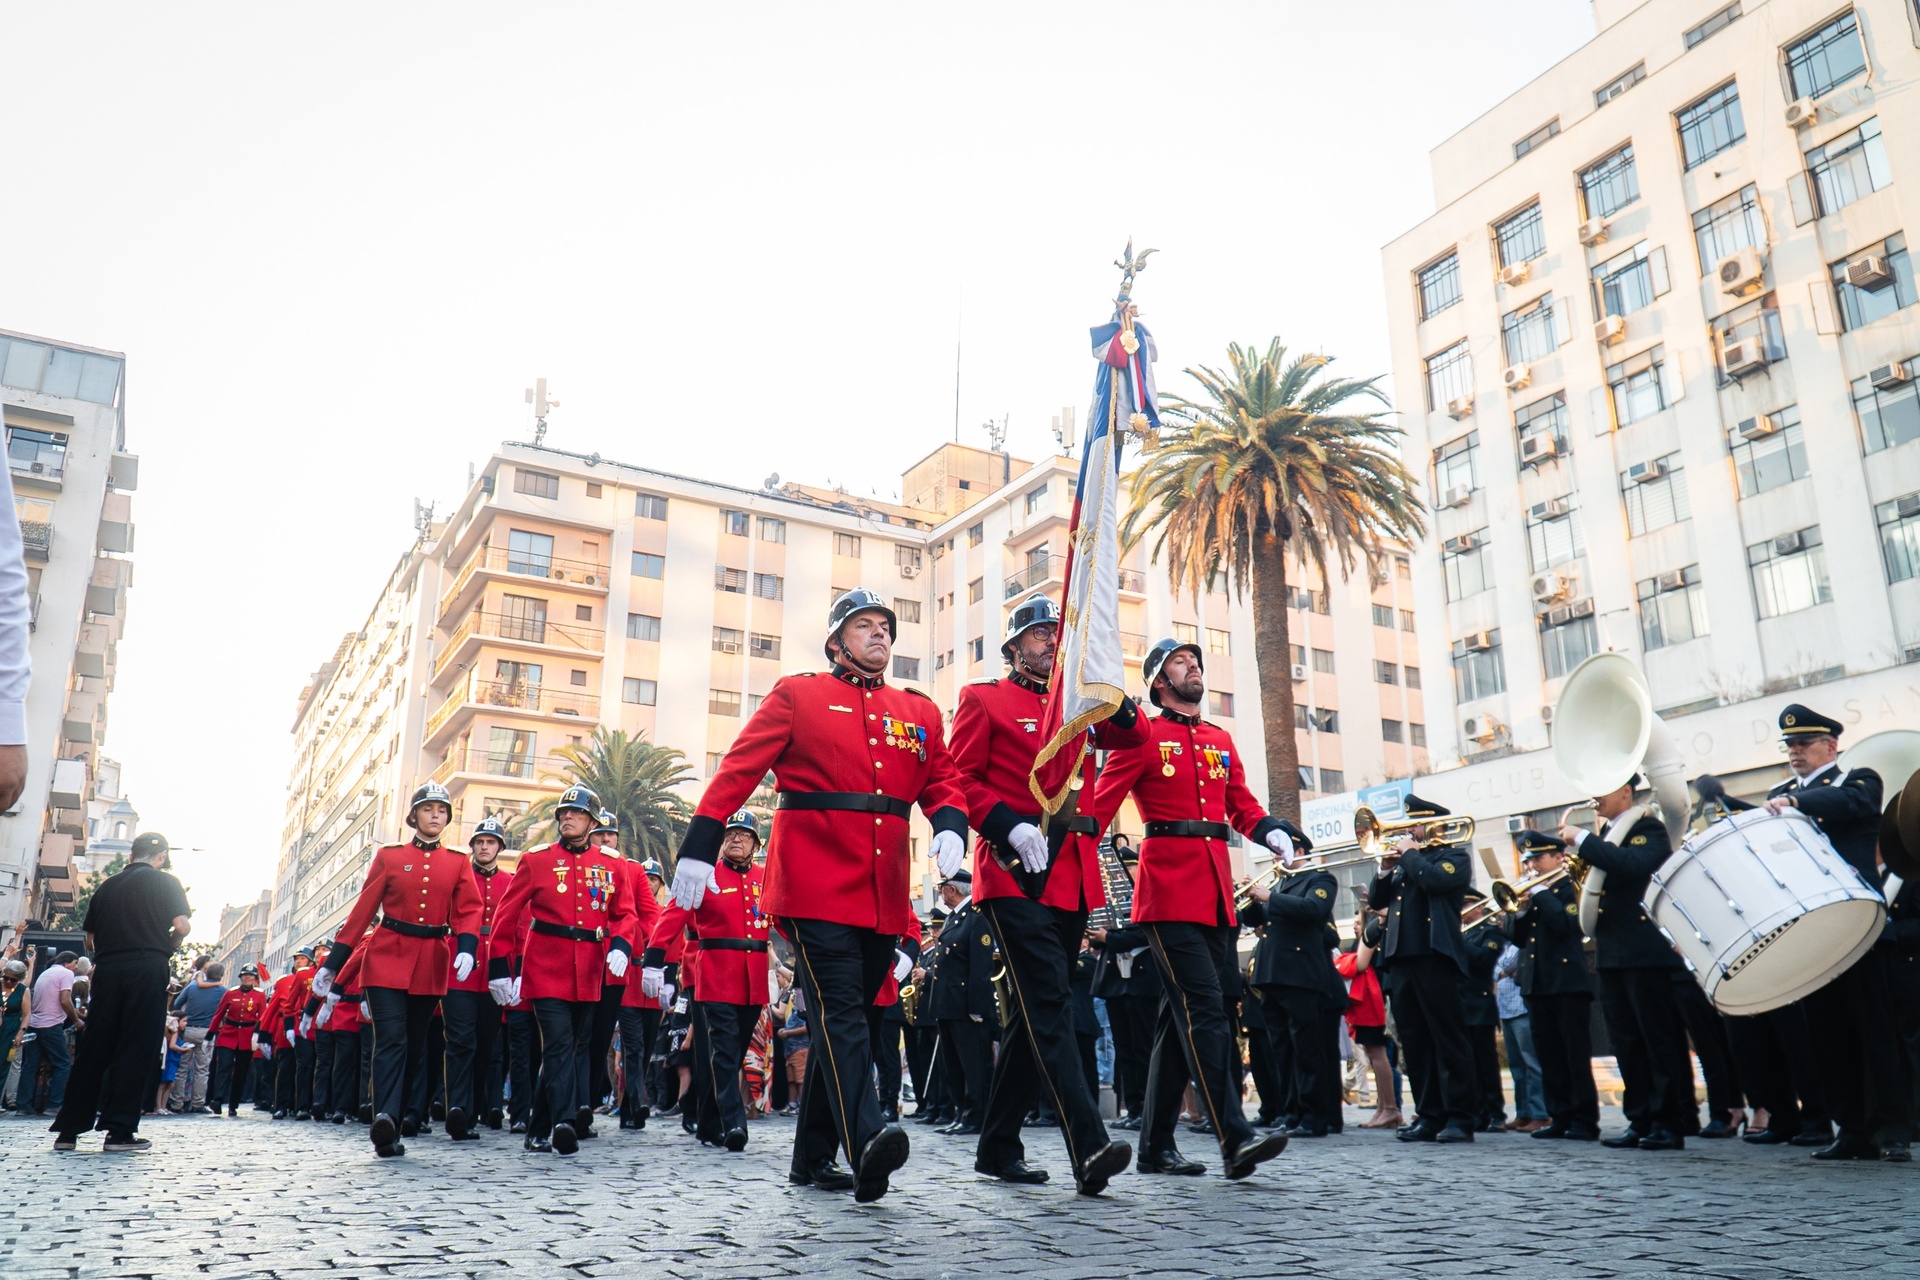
1516	273
727	646
1744	357
558	575
1743	272
1758	427
1516	824
1671	580
1539	448
1642	472
592	580
1477	641
1546	717
1869	272
1786	544
1609	330
1908	506
1299	672
1548	587
486	485
1516	376
1593	231
1457	496
1559	615
1482	728
1801	112
1551	509
1888	376
1455	546
1459	407
1582	608
909	570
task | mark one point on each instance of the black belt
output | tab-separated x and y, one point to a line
568	931
486	930
350	999
854	801
243	1024
415	930
733	944
1203	830
1079	826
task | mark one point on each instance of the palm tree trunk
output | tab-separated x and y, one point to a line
1273	655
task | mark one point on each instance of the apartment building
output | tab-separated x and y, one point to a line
64	409
1655	353
243	935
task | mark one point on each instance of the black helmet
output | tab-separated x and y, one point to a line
1157	658
1035	611
652	867
604	822
428	793
745	821
581	798
848	603
305	951
249	970
490	826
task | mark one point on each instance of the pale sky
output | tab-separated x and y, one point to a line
337	242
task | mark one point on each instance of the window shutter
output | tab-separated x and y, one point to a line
1657	264
1602	411
1562	322
1673	379
1800	193
1826	318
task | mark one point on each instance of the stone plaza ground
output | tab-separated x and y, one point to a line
245	1198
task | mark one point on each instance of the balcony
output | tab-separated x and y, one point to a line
488	562
1038	573
1133	583
69	789
36	536
107	588
1133	645
477	762
116	522
123	471
533	633
56	870
93	650
522	699
83	714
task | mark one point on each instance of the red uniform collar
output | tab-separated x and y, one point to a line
858	680
1179	717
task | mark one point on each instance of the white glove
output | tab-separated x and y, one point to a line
516	989
692	879
326	1011
948	852
306	1026
462	966
666	996
650	981
322	981
902	965
1031	846
1282	845
617	963
501	989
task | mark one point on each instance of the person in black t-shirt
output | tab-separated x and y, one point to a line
136	920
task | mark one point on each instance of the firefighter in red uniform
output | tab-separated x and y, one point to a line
640	1012
730	931
235	1025
850	756
1188	784
292	1051
336	1033
423	892
571	910
472	1018
1035	903
598	1083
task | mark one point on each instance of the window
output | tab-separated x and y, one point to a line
1609	184
763	646
1324	720
1756	322
1789	573
583	613
1299	654
643	626
36	453
1727	226
1526	332
1417	735
1385	672
529	553
510	753
1826	59
1887	417
1449	375
642	693
1567	645
906	668
753	702
1673	608
1403	568
34	366
1538	136
733	524
1300	716
535	484
648	565
1852	165
1478	673
976	591
577	678
1865	303
1219	704
846	544
977	648
1458	465
1555	540
1439	285
1036	500
1546	417
1710	125
731	581
1412	675
1383	615
523	618
769	586
728	640
1321	602
650	506
1323	661
1521	237
906	558
1715	23
1186	633
1466	568
1306	777
976	533
1218	641
906	610
1899	523
723	702
772	530
593	488
1770	461
1657	503
1626	80
1628	281
1634	386
1392	731
1333	780
714	759
1406	620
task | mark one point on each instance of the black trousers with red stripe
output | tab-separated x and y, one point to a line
1192	1038
840	968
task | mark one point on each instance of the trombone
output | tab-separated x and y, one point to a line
1278	871
1508	898
1373	834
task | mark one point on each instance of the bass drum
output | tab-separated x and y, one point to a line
1763	910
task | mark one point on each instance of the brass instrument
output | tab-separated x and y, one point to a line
1373	834
1278	871
1116	878
1507	897
910	1002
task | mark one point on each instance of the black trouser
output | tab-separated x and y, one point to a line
263	1080
230	1069
1650	1042
1486	1075
840	968
427	1087
473	1023
920	1045
399	1049
1039	1055
1270	1066
887	1073
1090	1063
721	1039
699	1087
606	1018
125	1019
1858	1052
1779	1070
1297	1027
969	1049
1906	1022
638	1024
1192	1038
1563	1038
344	1095
293	1076
1131	1019
1433	1039
322	1089
1707	1031
566	1026
365	1035
523	1062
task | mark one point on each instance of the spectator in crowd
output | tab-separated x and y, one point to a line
196	1005
794	1035
13	1025
1529	1093
171	1052
46	1040
1367	1016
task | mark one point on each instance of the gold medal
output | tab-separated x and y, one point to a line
1166	770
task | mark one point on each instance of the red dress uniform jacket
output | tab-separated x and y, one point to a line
731	937
493	890
909	943
996	735
634	883
288	1003
560	888
634	997
1186	771
237	1017
855	739
427	891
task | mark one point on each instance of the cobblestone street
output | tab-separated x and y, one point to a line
249	1198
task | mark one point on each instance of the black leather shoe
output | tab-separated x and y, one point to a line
1897	1153
565	1140
1554	1130
409	1127
279	1115
1661	1138
1631	1138
1013	1171
1203	1127
536	1144
366	1113
890	1115
1579	1133
1848	1147
303	1115
885	1152
1252	1153
1101	1167
1418	1133
1818	1136
391	1149
338	1117
495	1119
1304	1131
1766	1137
1169	1161
1131	1124
1718	1129
384	1131
1454	1133
458	1127
736	1140
518	1126
964	1129
825	1176
582	1121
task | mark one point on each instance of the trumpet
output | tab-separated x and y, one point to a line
1373	834
1506	897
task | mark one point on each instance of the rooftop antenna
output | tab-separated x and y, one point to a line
537	397
1063	430
422	519
996	434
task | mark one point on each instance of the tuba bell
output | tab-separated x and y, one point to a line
1894	754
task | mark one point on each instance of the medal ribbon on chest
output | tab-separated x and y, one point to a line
1166	758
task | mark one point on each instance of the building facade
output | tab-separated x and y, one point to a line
73	480
1655	353
243	935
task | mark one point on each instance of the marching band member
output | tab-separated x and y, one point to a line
1558	990
1189	786
1294	974
472	1018
1480	1010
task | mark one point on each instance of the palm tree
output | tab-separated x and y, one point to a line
1273	459
636	779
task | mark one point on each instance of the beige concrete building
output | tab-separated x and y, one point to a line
243	935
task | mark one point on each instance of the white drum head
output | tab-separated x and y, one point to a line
1809	952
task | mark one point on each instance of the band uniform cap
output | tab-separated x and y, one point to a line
846	605
1532	842
962	876
1417	807
578	797
1157	658
147	845
1797	721
428	793
743	820
1037	610
938	916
